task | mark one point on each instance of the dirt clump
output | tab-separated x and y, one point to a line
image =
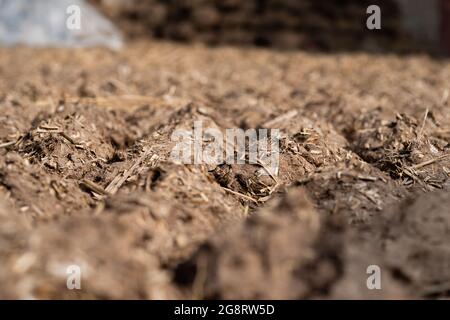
284	251
402	149
38	265
414	238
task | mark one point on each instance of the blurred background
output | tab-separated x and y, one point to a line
408	26
331	25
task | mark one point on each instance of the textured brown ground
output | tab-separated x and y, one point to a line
86	178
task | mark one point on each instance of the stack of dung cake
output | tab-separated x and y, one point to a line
288	24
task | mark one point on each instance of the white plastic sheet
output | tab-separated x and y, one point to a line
55	23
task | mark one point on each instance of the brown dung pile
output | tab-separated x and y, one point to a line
86	176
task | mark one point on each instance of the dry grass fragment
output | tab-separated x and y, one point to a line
240	195
429	162
121	178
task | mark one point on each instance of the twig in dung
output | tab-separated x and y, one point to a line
267	170
241	195
426	163
65	136
120	179
419	135
7	144
93	187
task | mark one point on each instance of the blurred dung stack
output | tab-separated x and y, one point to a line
287	24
